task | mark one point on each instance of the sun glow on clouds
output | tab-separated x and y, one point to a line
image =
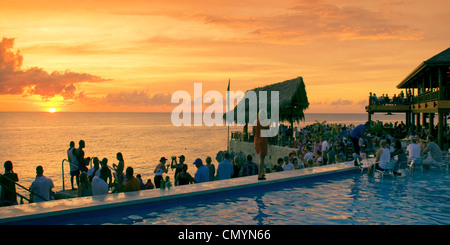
130	56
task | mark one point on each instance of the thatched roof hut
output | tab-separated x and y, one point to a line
292	101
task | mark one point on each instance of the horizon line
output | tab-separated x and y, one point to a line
161	112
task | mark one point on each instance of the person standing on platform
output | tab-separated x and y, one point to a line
119	168
261	143
82	162
73	164
8	183
178	166
356	134
159	170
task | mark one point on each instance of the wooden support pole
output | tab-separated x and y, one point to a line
440	139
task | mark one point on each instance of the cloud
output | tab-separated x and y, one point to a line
132	99
36	81
143	100
137	98
339	102
308	20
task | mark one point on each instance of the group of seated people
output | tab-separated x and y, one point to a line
426	152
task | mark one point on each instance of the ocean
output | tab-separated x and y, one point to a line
29	139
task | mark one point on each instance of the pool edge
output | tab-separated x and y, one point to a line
35	211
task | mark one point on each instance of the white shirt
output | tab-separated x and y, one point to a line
325	146
413	150
361	141
384	158
308	155
99	186
289	166
159	172
320	159
91	171
41	186
73	159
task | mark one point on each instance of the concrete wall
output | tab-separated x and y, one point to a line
274	152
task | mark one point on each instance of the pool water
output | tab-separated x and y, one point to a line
352	198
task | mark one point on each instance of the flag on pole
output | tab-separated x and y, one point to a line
228	97
228	108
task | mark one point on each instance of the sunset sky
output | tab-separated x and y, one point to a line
132	55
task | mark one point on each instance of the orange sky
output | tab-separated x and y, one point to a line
132	55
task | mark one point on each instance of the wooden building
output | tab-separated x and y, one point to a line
427	94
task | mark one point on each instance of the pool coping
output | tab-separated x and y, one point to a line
31	211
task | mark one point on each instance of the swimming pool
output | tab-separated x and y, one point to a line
338	199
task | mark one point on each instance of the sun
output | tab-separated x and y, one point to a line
52	110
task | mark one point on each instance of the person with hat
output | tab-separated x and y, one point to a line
202	174
159	170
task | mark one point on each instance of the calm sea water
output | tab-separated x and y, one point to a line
32	139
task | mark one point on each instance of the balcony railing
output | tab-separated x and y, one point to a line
280	140
426	97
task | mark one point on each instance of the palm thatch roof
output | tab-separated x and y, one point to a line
441	59
292	101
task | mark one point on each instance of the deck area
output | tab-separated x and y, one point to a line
388	108
30	211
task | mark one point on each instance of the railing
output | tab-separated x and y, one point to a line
62	169
23	187
426	97
280	140
62	174
439	94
